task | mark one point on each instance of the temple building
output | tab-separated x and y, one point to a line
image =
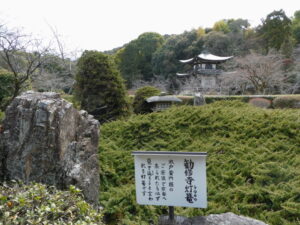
206	68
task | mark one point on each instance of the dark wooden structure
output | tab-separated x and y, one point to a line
160	103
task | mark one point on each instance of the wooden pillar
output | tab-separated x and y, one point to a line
171	213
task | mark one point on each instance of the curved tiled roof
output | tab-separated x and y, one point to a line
167	98
207	57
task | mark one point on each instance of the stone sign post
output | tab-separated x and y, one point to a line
171	179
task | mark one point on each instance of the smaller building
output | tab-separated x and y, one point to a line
160	103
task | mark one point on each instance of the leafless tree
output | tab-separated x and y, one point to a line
294	74
157	82
65	63
233	83
188	86
263	72
22	55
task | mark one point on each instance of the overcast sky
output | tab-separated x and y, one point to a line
106	24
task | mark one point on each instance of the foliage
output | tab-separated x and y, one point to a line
165	60
252	165
218	43
221	26
296	26
139	102
99	88
38	204
151	55
6	87
72	99
275	29
135	58
2	115
238	25
291	102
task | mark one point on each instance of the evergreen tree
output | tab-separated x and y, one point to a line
135	58
99	87
296	26
276	29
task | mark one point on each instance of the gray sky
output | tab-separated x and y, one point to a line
106	24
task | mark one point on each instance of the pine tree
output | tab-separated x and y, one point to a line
99	87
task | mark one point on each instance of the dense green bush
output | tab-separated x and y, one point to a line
252	165
139	103
99	87
292	102
38	204
6	87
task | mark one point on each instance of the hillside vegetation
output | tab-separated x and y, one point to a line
252	165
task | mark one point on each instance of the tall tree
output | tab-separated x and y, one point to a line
99	87
221	26
238	25
166	59
296	26
275	29
218	43
135	59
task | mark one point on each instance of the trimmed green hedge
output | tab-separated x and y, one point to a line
252	165
292	102
282	101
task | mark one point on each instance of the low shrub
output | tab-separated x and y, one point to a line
38	204
252	164
261	102
292	102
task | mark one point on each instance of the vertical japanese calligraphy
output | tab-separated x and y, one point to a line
157	175
171	175
190	188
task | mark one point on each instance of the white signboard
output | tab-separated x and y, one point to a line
171	178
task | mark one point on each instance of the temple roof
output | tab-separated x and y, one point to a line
206	57
163	99
183	74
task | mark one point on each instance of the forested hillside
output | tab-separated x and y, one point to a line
252	165
153	57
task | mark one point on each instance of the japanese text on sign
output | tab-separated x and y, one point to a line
173	180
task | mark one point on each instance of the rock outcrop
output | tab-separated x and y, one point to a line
213	219
45	139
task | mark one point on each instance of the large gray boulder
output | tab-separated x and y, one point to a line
213	219
45	139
